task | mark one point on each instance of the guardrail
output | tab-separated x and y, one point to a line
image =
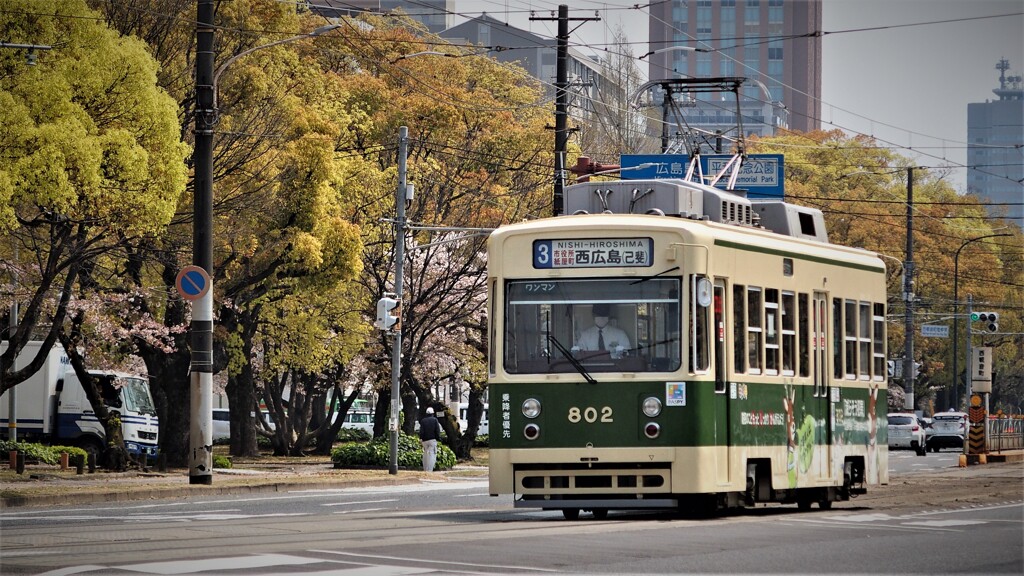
1005	433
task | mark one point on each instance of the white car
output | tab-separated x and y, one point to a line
906	431
359	421
222	423
484	428
948	430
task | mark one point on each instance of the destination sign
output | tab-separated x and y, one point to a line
761	175
593	253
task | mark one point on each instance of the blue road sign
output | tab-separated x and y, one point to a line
761	175
193	283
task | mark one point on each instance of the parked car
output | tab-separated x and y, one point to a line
464	419
906	431
948	430
359	421
222	423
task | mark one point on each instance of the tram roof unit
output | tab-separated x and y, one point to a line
691	200
701	230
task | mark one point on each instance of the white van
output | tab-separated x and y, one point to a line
222	423
464	421
359	420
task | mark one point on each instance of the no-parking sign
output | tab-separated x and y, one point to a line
192	282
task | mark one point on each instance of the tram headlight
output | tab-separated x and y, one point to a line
531	408
651	430
531	431
652	406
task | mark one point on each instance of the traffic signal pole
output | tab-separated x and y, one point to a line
908	297
401	195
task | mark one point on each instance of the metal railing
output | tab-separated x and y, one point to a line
1005	432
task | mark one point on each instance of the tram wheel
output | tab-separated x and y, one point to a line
571	513
824	505
600	513
803	504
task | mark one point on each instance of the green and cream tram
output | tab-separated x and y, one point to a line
746	360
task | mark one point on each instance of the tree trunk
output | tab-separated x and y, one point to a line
328	431
170	385
114	456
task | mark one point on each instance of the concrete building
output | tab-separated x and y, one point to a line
995	135
589	86
436	15
758	39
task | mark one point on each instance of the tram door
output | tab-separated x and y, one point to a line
722	415
825	409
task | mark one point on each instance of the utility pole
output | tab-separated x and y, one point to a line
401	196
908	297
561	100
200	469
968	385
12	401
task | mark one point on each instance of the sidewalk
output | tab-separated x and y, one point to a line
44	485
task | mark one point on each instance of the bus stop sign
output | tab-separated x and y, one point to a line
193	283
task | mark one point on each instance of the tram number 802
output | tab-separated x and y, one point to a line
589	414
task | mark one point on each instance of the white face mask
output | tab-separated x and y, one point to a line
600	321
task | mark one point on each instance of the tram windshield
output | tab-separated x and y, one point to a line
592	325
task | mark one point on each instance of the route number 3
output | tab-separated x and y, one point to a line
590	414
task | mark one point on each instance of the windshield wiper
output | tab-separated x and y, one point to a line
646	278
572	360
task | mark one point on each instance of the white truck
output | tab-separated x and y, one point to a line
51	406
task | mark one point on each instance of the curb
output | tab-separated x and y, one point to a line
131	493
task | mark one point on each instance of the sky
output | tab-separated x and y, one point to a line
907	83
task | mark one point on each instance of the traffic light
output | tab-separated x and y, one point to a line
989	319
389	314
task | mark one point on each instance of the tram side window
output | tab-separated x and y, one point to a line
864	341
771	331
739	328
788	333
754	330
804	335
850	337
837	338
879	341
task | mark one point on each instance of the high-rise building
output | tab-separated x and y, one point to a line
770	42
995	137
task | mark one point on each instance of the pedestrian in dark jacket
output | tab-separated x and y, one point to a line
430	433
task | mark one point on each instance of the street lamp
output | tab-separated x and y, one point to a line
201	329
230	61
31	57
672	49
956	309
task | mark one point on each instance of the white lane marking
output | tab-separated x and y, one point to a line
200	516
360	502
74	570
232	563
944	523
358	511
420	560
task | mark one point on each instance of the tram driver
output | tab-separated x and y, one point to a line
602	336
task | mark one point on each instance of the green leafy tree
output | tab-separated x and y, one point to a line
91	158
